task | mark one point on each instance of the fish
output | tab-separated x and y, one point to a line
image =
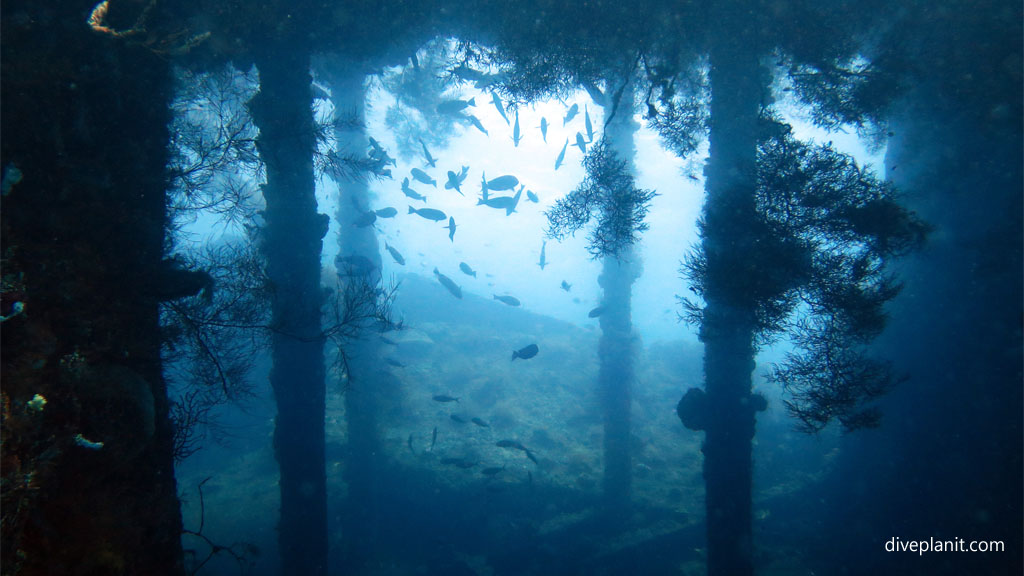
445	399
532	459
393	362
395	254
433	439
506	203
467	270
428	213
451	228
573	111
453	182
516	136
581	143
492	471
526	352
388	212
543	261
532	197
421	176
455	106
566	286
509	444
587	124
484	190
464	72
451	286
510	300
502	183
457	418
409	443
596	312
476	122
408	191
561	155
544	129
497	104
431	161
480	423
365	219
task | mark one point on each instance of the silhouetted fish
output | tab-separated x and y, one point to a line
502	183
596	312
395	254
453	182
409	443
447	283
365	219
445	398
388	212
476	122
573	111
561	155
493	471
544	129
516	137
455	106
543	260
566	286
428	213
581	143
408	191
467	270
510	300
525	353
433	439
532	197
457	418
423	177
497	104
430	159
451	228
480	423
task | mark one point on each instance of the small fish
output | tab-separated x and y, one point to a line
510	444
573	111
433	439
543	260
421	176
532	459
544	129
516	136
566	286
467	270
532	197
444	398
409	443
395	254
365	219
430	159
506	203
581	143
453	182
457	418
497	104
587	124
510	300
463	463
451	228
484	190
428	213
525	353
449	285
480	423
476	122
502	183
388	212
455	106
561	155
493	471
408	191
393	362
596	312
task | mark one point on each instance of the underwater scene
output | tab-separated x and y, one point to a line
532	288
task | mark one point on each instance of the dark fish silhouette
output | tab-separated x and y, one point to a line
453	182
433	439
447	283
502	183
395	254
455	106
596	312
561	155
510	300
476	122
409	443
543	261
480	423
581	143
365	219
445	398
457	418
408	191
491	472
525	353
573	111
423	177
516	136
532	197
388	212
497	104
566	286
428	213
544	129
451	228
430	159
